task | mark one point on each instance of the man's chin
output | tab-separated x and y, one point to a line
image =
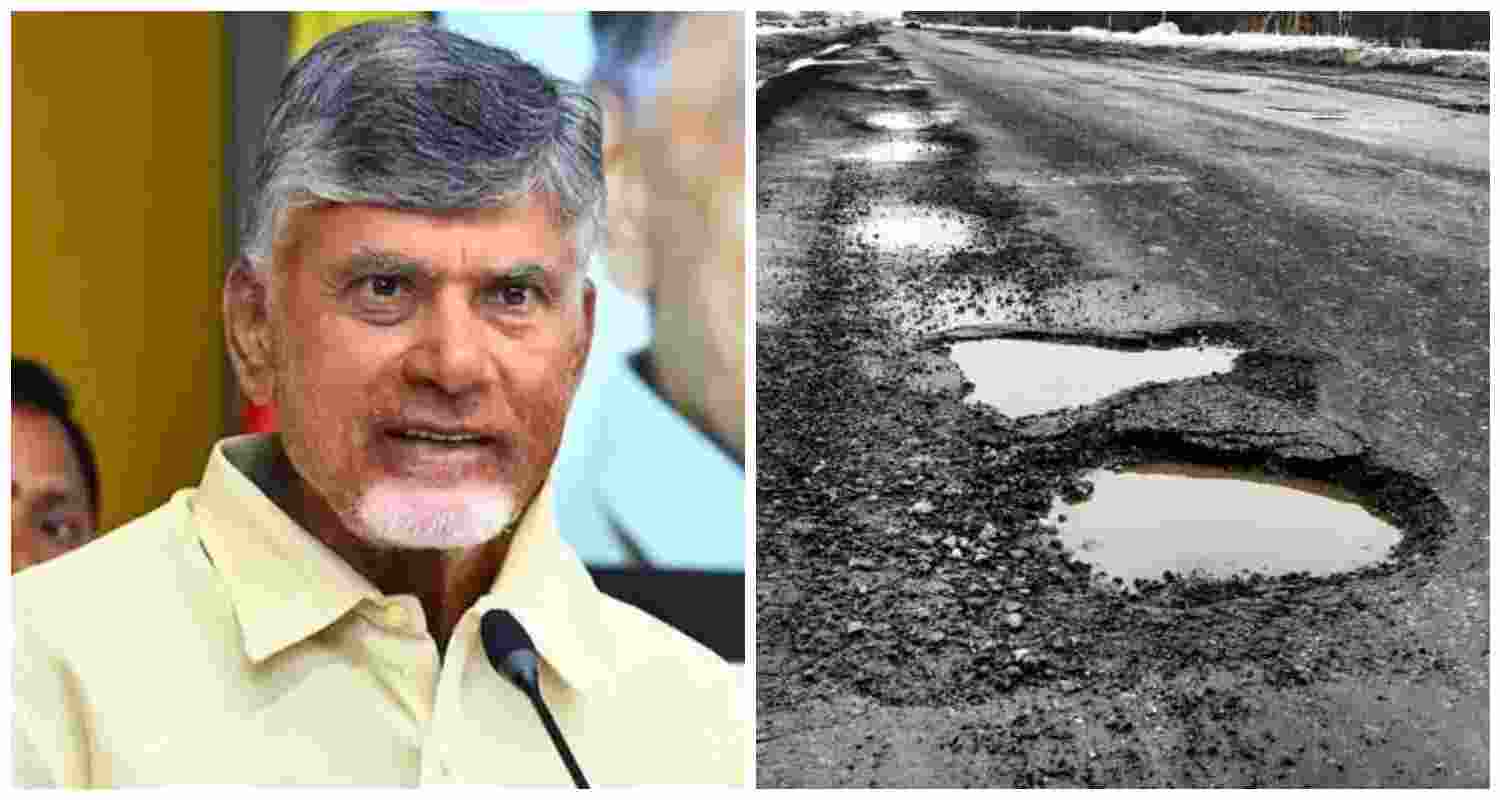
426	518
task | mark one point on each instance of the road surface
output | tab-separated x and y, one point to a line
930	184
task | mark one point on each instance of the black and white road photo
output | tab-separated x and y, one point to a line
1122	399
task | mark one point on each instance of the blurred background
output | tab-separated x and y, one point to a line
133	136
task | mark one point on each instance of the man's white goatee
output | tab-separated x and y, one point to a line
426	518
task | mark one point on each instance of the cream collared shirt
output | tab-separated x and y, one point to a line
216	641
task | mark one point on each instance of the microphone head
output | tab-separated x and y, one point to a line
509	647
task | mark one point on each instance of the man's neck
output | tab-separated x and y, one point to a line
446	582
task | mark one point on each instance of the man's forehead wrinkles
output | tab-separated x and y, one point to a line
478	268
367	258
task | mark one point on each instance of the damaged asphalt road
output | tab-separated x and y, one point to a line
918	622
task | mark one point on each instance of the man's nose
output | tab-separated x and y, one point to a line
452	353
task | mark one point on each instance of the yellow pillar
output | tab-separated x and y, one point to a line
310	26
117	236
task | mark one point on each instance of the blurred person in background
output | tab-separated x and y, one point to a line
665	471
54	480
317	611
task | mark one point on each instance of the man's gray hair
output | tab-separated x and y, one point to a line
410	116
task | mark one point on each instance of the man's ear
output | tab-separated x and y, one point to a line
625	189
247	330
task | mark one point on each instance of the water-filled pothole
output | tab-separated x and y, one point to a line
803	63
1020	377
1217	521
895	87
900	150
914	227
911	120
831	49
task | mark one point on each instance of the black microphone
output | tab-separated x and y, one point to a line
513	655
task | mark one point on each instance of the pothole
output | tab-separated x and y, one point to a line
1021	377
1320	112
900	150
1218	522
910	120
817	58
914	227
812	61
1469	108
896	87
808	62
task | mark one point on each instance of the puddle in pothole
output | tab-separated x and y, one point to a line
1020	377
803	63
1217	521
911	120
898	151
895	87
913	227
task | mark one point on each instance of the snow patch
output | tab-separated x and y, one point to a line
1350	51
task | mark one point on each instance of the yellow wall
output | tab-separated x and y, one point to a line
117	132
310	26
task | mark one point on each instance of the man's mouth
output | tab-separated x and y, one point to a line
441	453
442	437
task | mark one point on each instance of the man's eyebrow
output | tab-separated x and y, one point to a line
524	271
365	262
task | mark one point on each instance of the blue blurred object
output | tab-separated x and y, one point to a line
560	43
597	491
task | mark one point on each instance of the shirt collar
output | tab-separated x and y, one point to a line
286	585
546	586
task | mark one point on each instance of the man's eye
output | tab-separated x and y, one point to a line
514	296
383	286
382	299
64	530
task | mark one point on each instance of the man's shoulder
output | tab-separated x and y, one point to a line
116	573
683	685
645	642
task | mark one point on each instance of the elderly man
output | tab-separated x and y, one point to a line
316	611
